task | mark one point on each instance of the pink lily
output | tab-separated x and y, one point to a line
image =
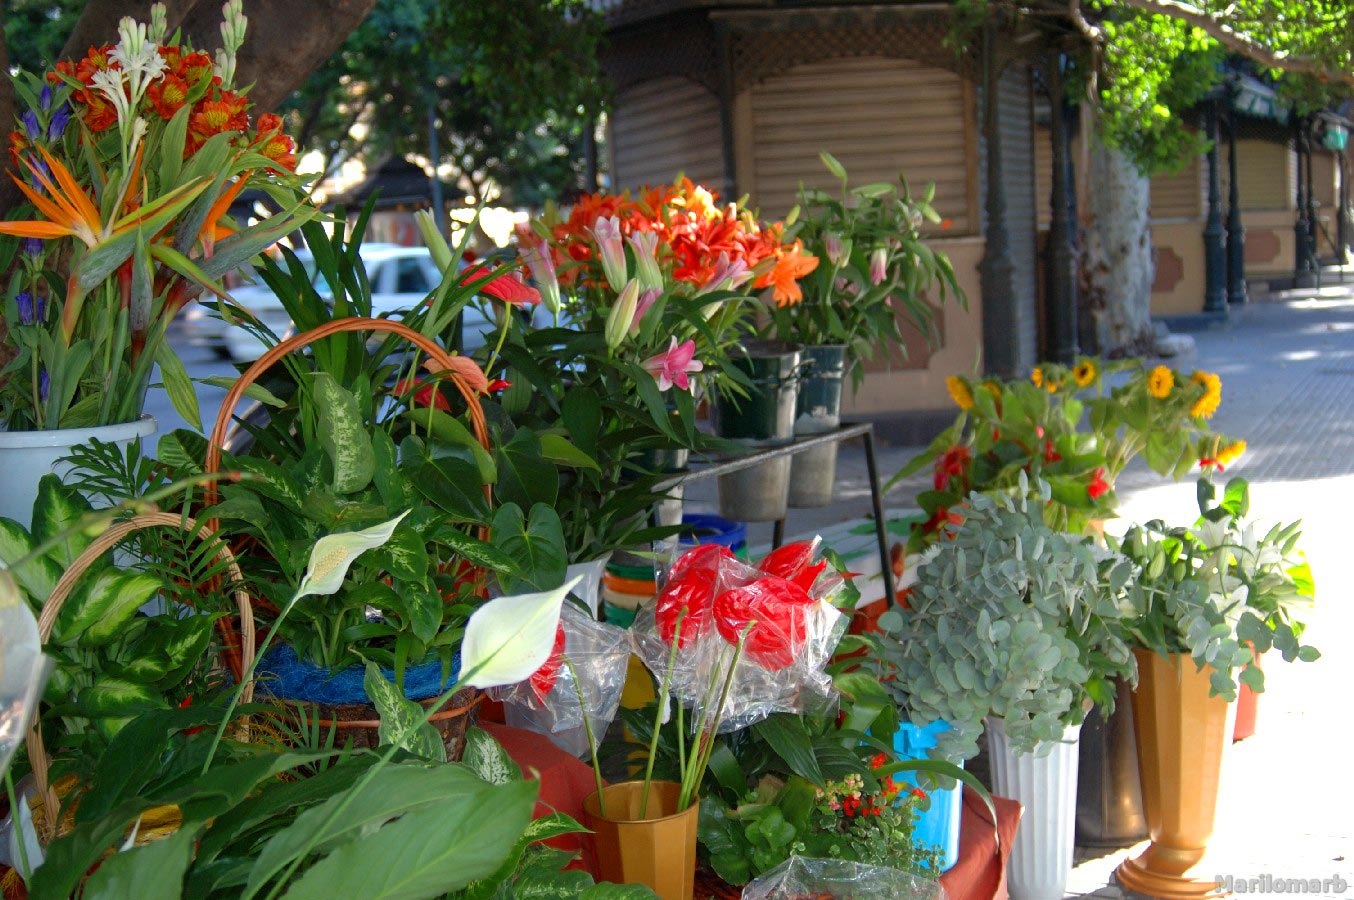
611	250
878	261
672	366
728	276
646	300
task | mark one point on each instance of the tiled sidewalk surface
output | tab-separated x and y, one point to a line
1287	800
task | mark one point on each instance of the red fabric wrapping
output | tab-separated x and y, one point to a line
980	872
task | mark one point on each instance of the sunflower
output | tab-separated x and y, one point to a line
1231	453
1037	377
959	390
1084	373
1206	405
1052	385
1160	382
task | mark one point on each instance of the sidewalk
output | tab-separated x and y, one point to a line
1287	365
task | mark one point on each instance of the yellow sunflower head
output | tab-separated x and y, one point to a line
960	392
1037	377
1084	373
1231	453
1160	382
1206	405
1052	385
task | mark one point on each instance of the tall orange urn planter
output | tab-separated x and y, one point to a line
657	850
1181	735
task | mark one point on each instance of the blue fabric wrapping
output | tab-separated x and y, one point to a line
283	675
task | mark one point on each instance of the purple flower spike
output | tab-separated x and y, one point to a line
32	246
24	301
44	384
60	119
45	98
31	127
42	310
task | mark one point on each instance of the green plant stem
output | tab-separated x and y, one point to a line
697	773
502	337
658	713
587	730
24	868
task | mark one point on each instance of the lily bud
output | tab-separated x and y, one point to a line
437	245
838	250
622	314
878	265
611	250
645	245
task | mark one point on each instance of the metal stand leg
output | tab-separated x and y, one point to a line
880	526
777	534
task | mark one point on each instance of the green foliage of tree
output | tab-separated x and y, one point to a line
509	86
35	30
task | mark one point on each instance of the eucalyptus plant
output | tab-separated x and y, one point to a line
1009	618
1220	591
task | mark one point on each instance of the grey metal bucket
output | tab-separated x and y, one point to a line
818	411
760	493
765	418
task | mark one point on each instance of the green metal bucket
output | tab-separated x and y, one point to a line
818	411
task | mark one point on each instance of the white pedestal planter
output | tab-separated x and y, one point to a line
26	456
1046	786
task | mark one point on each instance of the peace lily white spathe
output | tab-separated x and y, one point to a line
509	638
22	667
335	553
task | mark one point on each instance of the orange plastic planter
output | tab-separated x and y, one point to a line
658	851
1181	734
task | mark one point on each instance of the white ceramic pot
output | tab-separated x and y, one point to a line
591	586
26	456
1045	784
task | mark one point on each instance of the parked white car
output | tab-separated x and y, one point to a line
400	278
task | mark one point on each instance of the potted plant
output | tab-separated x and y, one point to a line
872	266
1209	599
130	159
1015	623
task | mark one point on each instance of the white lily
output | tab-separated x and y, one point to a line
334	553
509	638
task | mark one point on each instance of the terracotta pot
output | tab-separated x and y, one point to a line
1247	709
658	851
1181	733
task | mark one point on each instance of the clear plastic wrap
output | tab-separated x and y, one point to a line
790	625
803	878
548	702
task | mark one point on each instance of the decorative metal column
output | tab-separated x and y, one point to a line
1236	232
1215	254
1313	225
1001	341
1060	310
1342	222
1304	272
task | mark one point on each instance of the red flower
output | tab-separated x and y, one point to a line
791	562
773	611
1051	455
505	286
701	556
498	384
188	702
543	679
428	395
919	793
167	95
878	760
1098	486
281	149
100	115
942	517
954	463
688	594
210	118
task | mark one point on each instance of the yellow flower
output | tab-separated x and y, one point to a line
992	388
1084	373
1160	382
959	390
1037	377
1206	405
1231	453
1052	385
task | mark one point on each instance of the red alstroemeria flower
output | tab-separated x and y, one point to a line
506	286
544	678
776	611
690	595
428	395
1098	486
167	95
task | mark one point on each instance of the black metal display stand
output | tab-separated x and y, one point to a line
726	464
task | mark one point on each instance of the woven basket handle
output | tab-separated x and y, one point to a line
216	441
51	608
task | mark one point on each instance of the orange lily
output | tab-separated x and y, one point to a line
791	265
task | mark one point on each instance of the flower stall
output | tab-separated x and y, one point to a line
347	638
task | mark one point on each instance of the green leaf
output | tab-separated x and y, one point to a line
37	576
426	852
558	449
402	719
486	758
151	872
56	511
254	391
450	430
537	544
453	485
178	385
790	739
343	435
101	605
525	477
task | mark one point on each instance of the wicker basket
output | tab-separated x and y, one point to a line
361	720
51	608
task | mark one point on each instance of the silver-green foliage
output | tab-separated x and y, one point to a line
1009	619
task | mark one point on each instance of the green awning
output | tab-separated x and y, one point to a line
1252	98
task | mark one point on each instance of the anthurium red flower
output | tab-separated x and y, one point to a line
792	562
701	556
498	384
1098	486
688	595
428	395
776	611
506	286
544	678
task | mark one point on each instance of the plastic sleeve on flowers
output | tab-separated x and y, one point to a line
801	876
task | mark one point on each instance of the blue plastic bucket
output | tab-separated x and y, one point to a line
703	528
937	827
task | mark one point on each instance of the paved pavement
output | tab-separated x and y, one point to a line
1287	807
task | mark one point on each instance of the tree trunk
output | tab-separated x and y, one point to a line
1116	265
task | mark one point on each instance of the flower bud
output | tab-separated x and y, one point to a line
878	265
622	314
645	245
611	250
437	245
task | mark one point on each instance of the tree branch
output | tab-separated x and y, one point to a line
1234	40
98	22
